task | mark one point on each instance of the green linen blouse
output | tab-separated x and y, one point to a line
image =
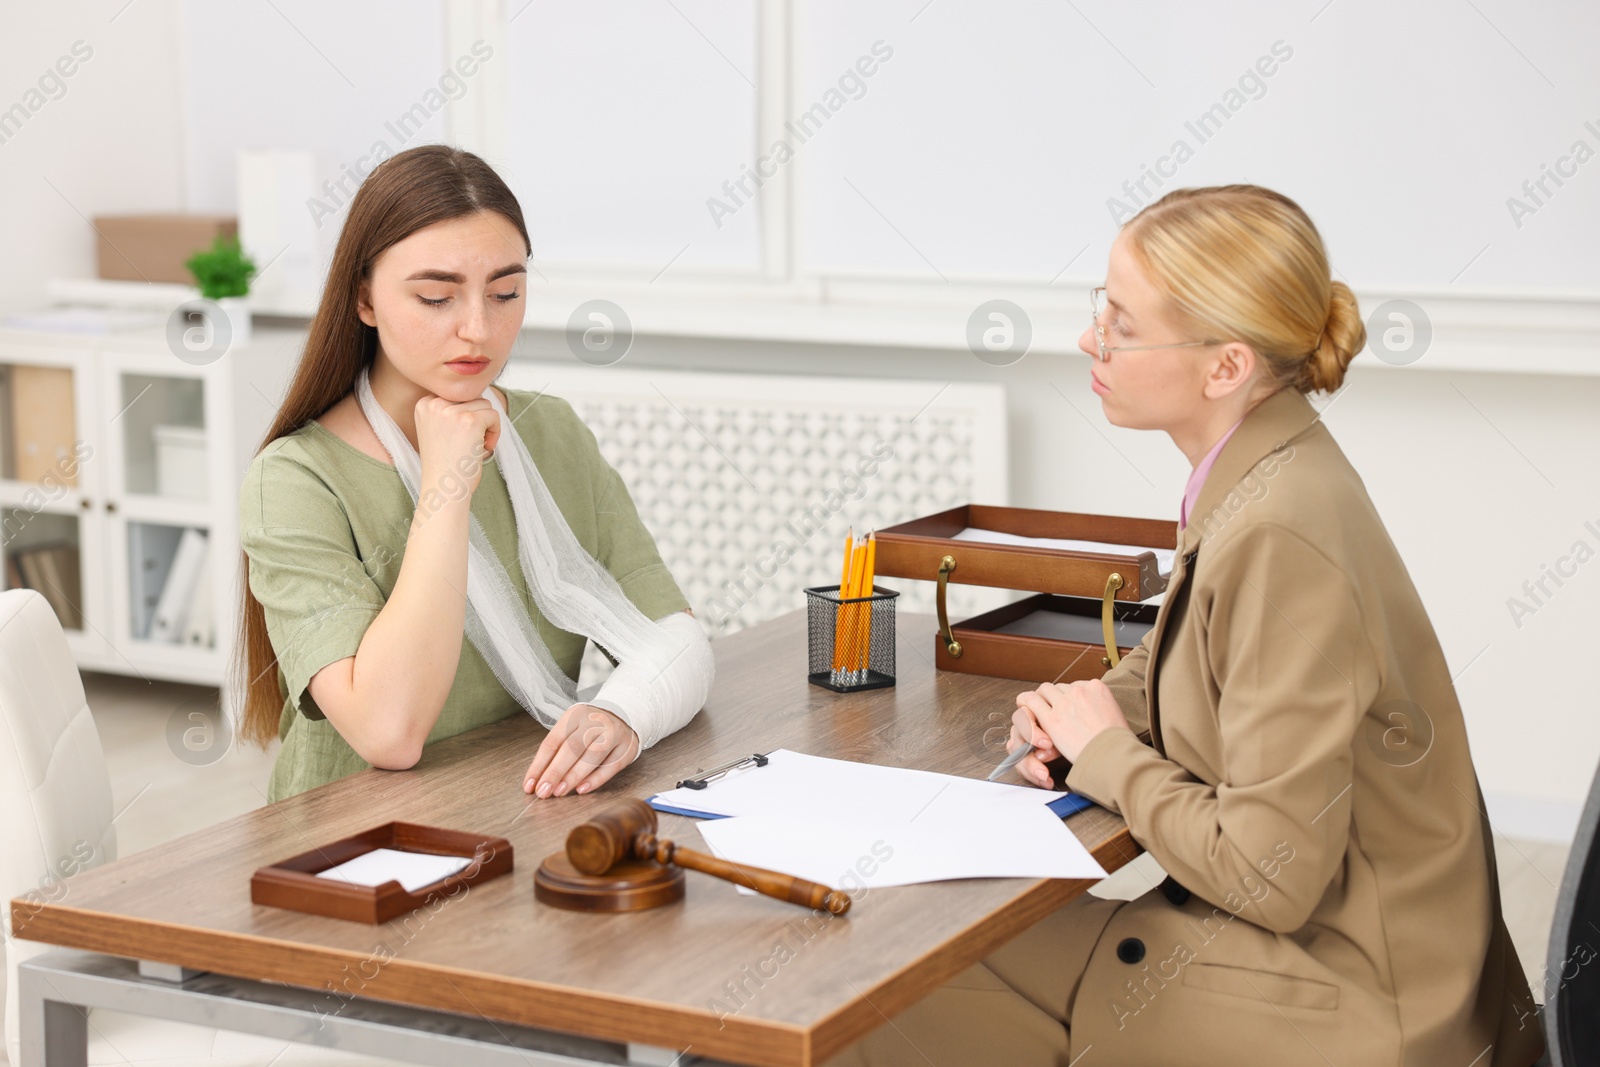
324	527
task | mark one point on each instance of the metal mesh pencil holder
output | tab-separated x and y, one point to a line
850	639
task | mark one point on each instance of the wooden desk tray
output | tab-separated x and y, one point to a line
927	548
293	883
1043	638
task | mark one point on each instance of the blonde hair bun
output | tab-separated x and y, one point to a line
1343	336
1243	262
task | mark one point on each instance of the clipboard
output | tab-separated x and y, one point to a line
1062	807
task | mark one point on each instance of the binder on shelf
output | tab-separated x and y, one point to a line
28	569
64	582
52	571
151	550
8	456
199	630
172	606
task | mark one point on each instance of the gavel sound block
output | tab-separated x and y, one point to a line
615	862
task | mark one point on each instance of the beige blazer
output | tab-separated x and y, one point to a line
1303	775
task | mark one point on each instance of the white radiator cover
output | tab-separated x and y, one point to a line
749	482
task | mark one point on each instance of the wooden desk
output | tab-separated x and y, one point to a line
706	974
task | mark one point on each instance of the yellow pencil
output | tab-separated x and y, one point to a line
838	611
866	609
858	568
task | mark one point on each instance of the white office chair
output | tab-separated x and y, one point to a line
55	819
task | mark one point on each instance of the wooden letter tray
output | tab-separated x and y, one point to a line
293	883
1088	610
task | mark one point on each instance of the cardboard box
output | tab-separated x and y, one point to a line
153	248
44	424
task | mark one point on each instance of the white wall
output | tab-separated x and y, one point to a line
998	134
111	143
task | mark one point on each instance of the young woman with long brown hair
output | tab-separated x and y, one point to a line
423	552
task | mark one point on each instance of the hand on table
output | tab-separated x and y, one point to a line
1060	720
583	750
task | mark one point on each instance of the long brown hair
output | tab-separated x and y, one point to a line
403	194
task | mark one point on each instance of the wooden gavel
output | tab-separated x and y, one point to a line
627	831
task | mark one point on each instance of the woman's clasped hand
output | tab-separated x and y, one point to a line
1060	720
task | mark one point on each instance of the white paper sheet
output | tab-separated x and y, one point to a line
413	870
815	787
996	840
823	819
1164	556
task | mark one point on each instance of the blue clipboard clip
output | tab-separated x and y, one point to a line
756	759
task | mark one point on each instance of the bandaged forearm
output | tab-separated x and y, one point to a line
658	693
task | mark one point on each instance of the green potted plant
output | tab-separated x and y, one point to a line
223	273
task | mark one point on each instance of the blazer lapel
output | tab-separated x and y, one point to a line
1173	604
1267	427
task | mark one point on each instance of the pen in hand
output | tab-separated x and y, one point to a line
1012	759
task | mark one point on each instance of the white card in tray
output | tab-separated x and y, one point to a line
1164	556
413	870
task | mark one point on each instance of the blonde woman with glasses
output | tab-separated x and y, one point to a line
1286	741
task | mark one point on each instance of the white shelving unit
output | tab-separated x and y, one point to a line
99	501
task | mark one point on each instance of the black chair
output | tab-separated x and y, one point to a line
1572	1008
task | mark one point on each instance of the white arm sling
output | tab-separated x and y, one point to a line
664	669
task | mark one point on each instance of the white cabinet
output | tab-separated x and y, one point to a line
121	458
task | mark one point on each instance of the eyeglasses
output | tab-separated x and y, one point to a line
1097	304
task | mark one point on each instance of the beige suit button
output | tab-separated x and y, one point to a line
1175	893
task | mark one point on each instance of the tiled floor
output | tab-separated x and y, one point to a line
163	788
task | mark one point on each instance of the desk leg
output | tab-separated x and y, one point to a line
54	1033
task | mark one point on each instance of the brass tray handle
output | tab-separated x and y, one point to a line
951	645
1107	626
